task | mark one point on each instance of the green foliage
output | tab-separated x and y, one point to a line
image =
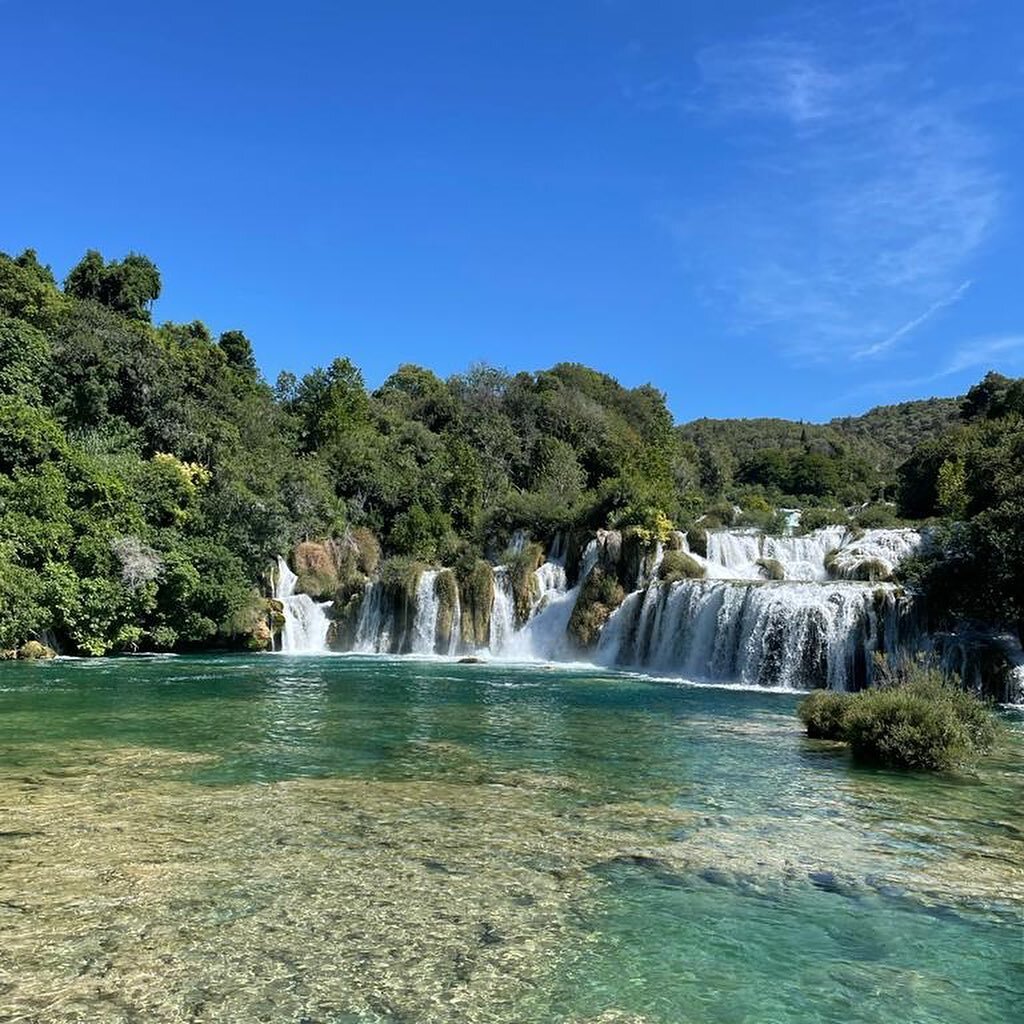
973	477
877	516
128	286
601	594
124	443
812	519
915	718
678	565
823	714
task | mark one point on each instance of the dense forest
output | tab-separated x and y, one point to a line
149	475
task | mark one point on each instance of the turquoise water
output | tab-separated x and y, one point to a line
353	839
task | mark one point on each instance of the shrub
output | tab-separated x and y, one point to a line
915	718
876	517
900	729
823	712
678	565
812	519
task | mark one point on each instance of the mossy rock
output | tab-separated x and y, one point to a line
576	543
675	541
600	595
637	556
357	554
872	571
260	637
9	654
771	569
275	615
697	539
344	614
33	650
521	568
678	565
400	577
831	558
316	568
476	594
446	587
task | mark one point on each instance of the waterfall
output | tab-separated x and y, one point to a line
543	636
503	613
305	622
375	622
424	627
806	629
795	635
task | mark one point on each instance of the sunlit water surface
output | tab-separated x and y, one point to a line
362	840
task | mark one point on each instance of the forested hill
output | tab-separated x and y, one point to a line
149	476
884	436
866	449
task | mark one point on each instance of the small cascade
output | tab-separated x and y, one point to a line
305	622
543	637
424	627
503	613
881	550
456	635
373	628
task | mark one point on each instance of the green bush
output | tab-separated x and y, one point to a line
823	713
915	718
678	565
812	519
876	517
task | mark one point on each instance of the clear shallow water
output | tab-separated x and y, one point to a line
349	839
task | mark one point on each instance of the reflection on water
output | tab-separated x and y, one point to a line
346	839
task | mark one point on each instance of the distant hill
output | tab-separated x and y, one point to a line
883	436
899	428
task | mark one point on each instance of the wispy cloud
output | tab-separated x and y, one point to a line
912	325
855	195
1005	351
984	352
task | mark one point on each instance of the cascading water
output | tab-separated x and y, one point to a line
803	627
424	627
794	635
305	622
543	636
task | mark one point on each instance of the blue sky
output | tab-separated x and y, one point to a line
763	209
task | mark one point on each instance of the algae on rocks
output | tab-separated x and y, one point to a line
600	595
476	594
33	650
522	567
446	587
678	565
